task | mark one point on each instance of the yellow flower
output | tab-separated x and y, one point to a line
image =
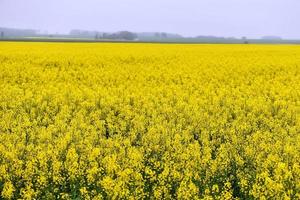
8	190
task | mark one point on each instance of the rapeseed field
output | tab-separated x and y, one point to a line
149	121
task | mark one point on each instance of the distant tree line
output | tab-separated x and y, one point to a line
122	35
6	33
12	32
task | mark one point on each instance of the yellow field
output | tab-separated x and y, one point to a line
152	121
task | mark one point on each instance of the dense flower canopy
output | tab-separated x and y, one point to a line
149	121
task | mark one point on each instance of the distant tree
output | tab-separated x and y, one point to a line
96	36
245	40
105	35
122	35
126	35
164	35
157	35
2	34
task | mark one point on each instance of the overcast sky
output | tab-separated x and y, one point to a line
251	18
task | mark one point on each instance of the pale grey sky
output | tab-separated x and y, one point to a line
251	18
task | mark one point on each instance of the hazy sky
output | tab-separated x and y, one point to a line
251	18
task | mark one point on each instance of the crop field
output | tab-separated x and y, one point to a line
149	121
